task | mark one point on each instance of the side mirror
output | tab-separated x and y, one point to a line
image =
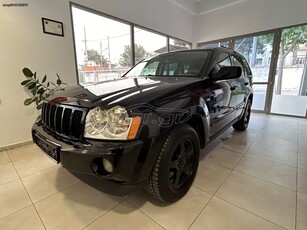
228	72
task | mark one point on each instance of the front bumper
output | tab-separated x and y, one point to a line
132	161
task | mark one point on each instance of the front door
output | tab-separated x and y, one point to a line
221	102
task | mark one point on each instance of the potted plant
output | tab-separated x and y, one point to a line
40	90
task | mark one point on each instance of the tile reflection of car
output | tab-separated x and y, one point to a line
149	126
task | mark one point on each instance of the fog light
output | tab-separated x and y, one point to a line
107	165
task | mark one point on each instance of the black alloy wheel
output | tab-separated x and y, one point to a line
181	165
176	166
242	124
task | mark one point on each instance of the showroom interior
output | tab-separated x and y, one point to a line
246	180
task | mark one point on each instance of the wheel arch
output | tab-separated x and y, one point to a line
198	125
251	97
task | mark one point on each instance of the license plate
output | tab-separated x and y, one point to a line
50	149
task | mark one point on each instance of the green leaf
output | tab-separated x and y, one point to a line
39	106
27	72
34	90
41	91
28	101
34	75
59	81
44	78
29	83
48	84
58	76
25	82
31	86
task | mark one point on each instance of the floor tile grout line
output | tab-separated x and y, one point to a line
16	211
11	181
33	204
27	192
270	182
119	203
252	155
146	214
263	158
211	196
30	173
8	155
200	212
56	192
39	171
254	214
231	170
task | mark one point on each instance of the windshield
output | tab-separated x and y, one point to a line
179	64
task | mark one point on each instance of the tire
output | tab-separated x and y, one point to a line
176	165
242	124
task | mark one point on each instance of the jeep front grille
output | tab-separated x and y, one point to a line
65	120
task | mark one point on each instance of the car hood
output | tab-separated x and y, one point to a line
124	91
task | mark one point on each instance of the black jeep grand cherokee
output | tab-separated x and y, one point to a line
149	126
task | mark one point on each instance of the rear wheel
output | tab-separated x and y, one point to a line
242	124
176	166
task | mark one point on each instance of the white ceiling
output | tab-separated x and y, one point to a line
199	7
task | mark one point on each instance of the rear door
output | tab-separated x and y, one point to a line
240	92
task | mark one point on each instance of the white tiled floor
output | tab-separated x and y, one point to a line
246	180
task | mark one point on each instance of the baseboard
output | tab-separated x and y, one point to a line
17	145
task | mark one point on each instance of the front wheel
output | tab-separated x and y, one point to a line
242	124
176	166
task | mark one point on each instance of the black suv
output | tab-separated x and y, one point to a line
148	127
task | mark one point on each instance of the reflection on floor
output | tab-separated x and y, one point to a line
250	180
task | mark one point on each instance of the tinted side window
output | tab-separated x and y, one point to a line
236	61
223	60
150	69
246	67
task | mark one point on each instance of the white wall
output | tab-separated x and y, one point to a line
24	44
247	16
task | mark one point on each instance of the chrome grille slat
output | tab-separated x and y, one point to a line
65	120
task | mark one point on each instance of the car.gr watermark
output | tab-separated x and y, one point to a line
160	116
15	5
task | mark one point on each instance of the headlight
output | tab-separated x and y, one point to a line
119	121
112	124
96	121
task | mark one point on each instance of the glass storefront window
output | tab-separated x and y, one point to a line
290	89
258	52
176	44
148	44
213	45
100	46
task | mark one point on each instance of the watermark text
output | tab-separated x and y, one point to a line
16	5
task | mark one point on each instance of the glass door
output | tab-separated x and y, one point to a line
290	87
258	52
